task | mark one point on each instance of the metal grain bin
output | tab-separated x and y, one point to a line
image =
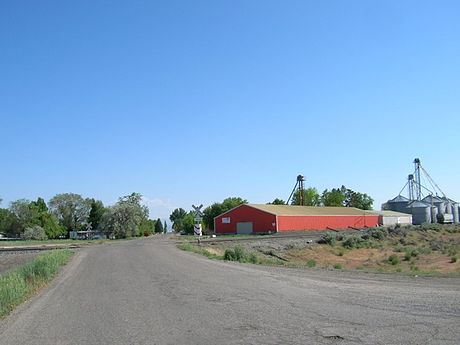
421	212
398	204
434	214
456	213
436	201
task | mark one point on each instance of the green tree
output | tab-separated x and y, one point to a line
357	199
124	219
344	196
334	197
26	212
71	210
147	227
216	209
96	213
9	223
188	223
165	227
35	213
177	218
310	195
277	202
159	226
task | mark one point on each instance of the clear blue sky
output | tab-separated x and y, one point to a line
194	101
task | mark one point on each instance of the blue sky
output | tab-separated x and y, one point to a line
194	101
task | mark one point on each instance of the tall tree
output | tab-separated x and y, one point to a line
10	224
35	213
177	218
215	209
124	219
165	227
96	213
333	197
311	197
72	210
159	226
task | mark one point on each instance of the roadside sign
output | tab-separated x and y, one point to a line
197	229
197	209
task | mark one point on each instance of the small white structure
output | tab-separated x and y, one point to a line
391	218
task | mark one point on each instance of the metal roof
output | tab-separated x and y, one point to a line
431	198
288	210
387	213
399	198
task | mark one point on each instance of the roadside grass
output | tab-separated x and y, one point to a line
19	284
428	250
189	247
237	253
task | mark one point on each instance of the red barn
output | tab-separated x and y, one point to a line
247	219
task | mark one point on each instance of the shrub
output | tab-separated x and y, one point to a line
252	258
378	233
394	260
35	232
338	266
453	259
311	263
356	241
352	242
328	238
238	254
410	252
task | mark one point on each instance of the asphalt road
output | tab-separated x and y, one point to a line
148	292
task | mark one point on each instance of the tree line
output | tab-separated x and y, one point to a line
337	197
71	212
183	221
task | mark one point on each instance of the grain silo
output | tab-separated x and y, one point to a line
421	212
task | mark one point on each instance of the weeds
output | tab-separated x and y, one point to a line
311	263
19	284
393	260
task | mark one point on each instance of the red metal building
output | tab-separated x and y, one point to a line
246	219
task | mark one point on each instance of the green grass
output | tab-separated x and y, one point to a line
189	247
16	286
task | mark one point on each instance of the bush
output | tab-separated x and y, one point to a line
352	242
394	260
357	241
410	252
35	232
311	263
338	266
236	254
378	233
453	259
328	238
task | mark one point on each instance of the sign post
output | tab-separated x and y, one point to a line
198	218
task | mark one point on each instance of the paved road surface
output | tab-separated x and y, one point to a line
149	292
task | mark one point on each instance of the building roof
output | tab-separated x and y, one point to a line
388	213
289	210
